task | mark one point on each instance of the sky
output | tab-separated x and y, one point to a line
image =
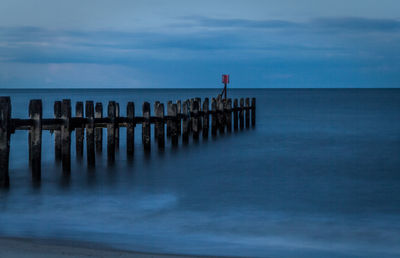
189	44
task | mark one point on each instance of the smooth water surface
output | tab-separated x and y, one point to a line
319	176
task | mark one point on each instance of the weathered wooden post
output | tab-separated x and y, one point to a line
235	114
200	118
5	133
155	127
79	131
221	115
160	136
206	119
111	132
66	136
253	111
169	122
146	127
185	123
174	125
117	115
35	114
214	119
130	129
191	102
195	124
228	114
57	133
179	112
90	149
247	112
241	114
99	130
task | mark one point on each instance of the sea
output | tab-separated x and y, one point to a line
318	176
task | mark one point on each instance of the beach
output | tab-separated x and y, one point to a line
23	247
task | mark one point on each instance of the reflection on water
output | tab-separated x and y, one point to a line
317	177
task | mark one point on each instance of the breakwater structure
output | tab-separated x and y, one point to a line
182	119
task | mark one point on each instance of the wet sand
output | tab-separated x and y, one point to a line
34	248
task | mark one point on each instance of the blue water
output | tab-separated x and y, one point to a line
319	176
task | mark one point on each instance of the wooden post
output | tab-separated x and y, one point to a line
66	136
174	126
57	133
155	127
111	132
169	122
185	123
247	104
146	127
214	119
36	114
195	121
90	149
79	131
179	112
206	119
235	114
5	133
221	115
200	118
241	114
99	130
160	136
191	102
117	115
228	114
130	129
253	111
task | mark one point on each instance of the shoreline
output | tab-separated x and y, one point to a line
15	247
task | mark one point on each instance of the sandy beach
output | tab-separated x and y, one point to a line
32	248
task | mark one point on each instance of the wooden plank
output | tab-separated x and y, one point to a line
247	105
228	114
174	125
66	136
221	115
235	114
117	115
253	111
99	131
79	131
57	133
90	149
200	118
155	127
146	127
206	118
160	136
185	122
195	120
5	133
214	118
191	101
111	110
130	129
241	113
36	114
169	122
179	112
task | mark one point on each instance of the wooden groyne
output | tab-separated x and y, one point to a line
182	119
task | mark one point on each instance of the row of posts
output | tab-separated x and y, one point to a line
189	117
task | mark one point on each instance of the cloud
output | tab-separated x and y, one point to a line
358	24
240	23
323	50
